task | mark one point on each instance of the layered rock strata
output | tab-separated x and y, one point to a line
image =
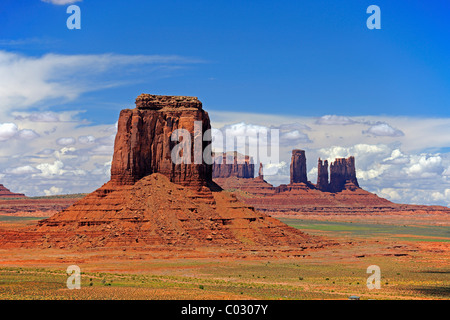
144	141
5	193
228	165
342	172
322	175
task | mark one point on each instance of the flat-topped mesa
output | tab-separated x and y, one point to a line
342	172
151	201
144	145
298	167
322	175
233	164
156	102
5	193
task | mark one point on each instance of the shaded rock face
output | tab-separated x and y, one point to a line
298	167
5	193
322	175
342	175
342	172
144	143
261	172
233	165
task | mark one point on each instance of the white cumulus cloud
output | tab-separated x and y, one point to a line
27	134
335	120
65	141
23	170
384	130
29	80
424	166
53	191
86	139
7	131
51	169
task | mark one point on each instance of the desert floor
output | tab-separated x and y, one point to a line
413	257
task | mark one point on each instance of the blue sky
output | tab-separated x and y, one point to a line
311	68
289	57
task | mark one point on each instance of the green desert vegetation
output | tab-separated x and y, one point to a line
307	279
429	233
330	273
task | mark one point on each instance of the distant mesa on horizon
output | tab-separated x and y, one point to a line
232	164
342	171
6	193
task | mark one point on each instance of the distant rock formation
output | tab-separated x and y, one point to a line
233	164
322	175
339	176
342	172
5	193
337	193
261	172
298	167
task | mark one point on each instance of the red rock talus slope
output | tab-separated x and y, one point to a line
155	211
150	201
5	193
256	186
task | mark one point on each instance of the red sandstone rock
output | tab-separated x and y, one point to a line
252	186
233	165
151	201
143	142
5	193
322	176
341	195
342	171
300	199
155	211
260	172
298	167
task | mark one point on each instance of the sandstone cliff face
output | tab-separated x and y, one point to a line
5	193
228	165
322	175
298	167
261	172
342	172
143	142
342	175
